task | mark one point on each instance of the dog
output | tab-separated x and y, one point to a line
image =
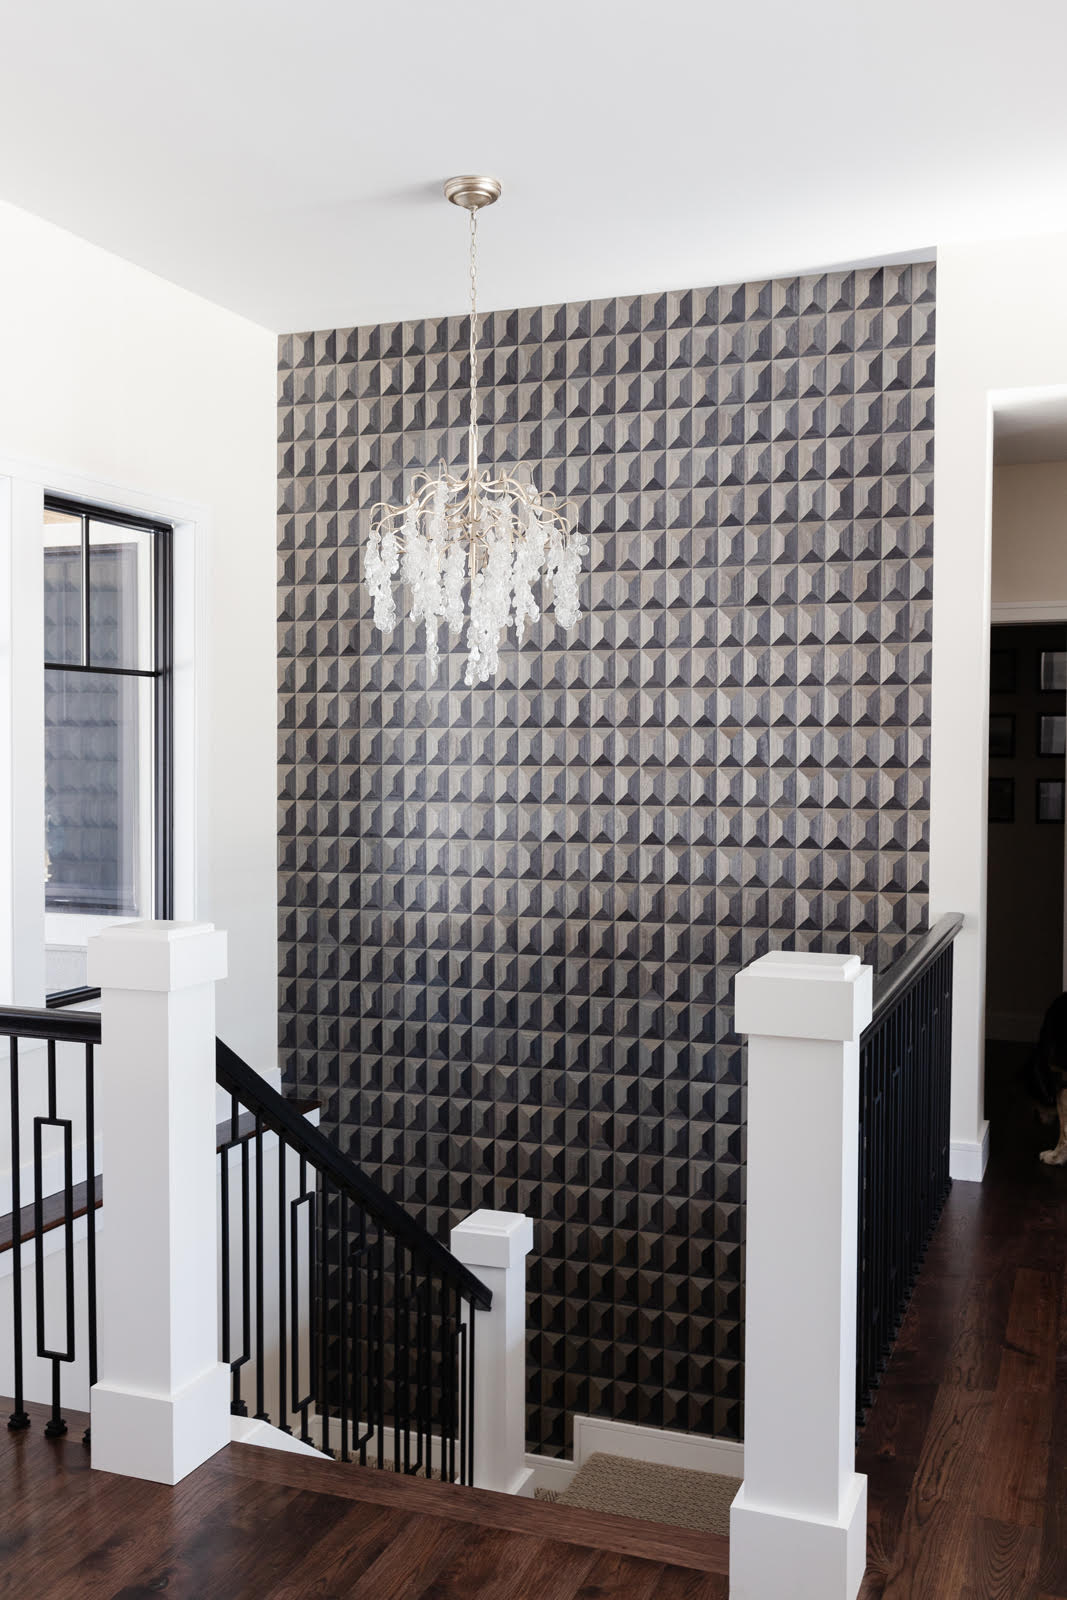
1046	1076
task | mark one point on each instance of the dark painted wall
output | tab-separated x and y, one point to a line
511	916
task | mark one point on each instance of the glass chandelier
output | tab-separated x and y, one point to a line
478	544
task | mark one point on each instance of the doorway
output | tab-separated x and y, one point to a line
1027	768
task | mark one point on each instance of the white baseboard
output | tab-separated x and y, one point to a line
968	1158
661	1445
549	1472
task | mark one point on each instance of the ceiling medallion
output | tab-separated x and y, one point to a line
472	547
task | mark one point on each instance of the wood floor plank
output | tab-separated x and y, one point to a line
552	1572
491	1564
893	1438
930	1558
409	1563
654	1541
1004	1560
677	1584
1014	1480
1052	1574
613	1577
354	1543
975	1356
1031	1339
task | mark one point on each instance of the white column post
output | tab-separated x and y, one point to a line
161	1406
495	1244
798	1525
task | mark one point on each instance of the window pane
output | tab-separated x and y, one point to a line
62	587
98	793
120	596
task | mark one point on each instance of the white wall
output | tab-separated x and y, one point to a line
1001	326
115	377
1030	534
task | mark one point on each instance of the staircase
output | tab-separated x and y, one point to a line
338	1328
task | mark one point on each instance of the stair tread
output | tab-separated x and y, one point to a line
599	1530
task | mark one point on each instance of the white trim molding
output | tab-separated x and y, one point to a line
968	1159
1005	611
664	1446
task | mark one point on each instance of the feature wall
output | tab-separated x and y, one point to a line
511	916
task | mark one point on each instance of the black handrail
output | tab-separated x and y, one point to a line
73	1027
277	1114
79	996
890	984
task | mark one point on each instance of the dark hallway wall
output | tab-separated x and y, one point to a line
511	916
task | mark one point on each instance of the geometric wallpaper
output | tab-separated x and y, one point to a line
511	916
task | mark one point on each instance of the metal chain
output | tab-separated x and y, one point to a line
473	427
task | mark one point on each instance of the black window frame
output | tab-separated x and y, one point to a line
160	672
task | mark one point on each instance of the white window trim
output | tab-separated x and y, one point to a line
24	927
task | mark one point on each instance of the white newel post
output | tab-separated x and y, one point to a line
494	1245
161	1406
798	1525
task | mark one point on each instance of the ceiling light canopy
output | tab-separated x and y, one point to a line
473	547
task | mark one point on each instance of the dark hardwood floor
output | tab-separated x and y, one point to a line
965	1451
966	1445
256	1524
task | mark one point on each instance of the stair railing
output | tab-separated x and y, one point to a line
365	1338
336	1315
823	1077
905	1094
49	1190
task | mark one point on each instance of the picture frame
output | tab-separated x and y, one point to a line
1049	800
1002	735
1002	799
1052	671
1051	734
1002	672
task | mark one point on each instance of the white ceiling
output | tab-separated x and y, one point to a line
284	157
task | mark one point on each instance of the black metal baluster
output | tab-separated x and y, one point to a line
19	1417
379	1346
224	1205
452	1382
360	1345
322	1289
398	1295
302	1403
472	1318
261	1410
56	1426
90	1221
343	1296
283	1371
241	1406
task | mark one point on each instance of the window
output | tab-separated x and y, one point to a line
107	627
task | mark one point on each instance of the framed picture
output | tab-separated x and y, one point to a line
1052	672
1002	734
1002	799
1051	735
1002	672
1050	800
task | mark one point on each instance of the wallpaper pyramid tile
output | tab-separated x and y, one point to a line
511	916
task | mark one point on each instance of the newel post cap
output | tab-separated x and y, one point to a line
801	994
156	956
493	1239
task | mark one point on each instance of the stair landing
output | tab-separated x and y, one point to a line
253	1522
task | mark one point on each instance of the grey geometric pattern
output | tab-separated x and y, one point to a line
511	916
